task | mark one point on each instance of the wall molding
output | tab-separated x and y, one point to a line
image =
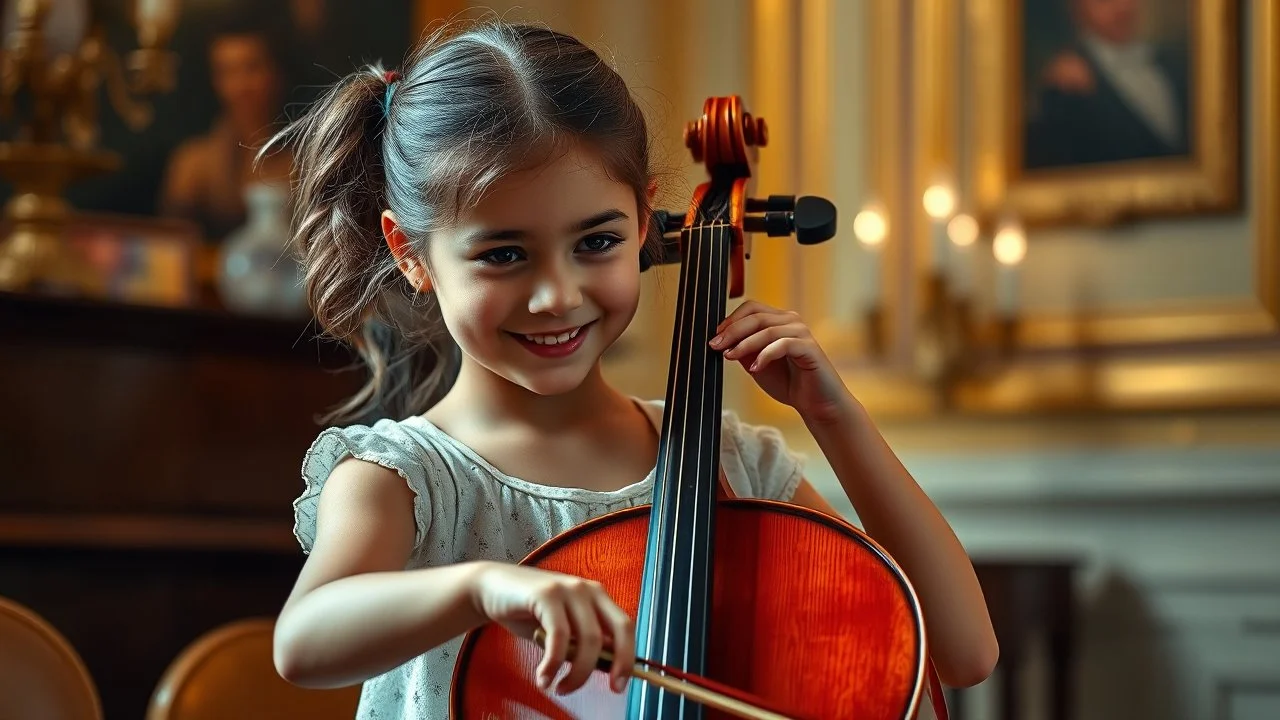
1097	476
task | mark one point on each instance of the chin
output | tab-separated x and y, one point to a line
552	384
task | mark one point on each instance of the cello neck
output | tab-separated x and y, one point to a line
675	599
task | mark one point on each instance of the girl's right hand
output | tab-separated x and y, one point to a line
567	608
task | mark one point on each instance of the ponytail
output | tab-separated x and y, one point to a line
353	286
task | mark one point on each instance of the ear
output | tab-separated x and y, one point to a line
411	266
650	193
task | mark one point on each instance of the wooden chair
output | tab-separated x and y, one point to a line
41	676
229	673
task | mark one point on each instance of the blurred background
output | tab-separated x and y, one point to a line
1056	286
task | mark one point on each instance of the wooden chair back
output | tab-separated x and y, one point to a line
41	675
229	673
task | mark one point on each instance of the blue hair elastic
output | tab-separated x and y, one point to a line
392	78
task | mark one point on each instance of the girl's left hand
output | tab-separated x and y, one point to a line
780	354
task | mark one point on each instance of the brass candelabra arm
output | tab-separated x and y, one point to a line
58	119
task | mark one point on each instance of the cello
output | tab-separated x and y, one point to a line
743	607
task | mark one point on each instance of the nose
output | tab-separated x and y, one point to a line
555	292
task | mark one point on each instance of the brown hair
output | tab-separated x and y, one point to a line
464	109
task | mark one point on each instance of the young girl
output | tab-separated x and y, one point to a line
486	208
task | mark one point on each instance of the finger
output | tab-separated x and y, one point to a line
757	342
622	630
739	329
588	639
555	622
801	352
747	308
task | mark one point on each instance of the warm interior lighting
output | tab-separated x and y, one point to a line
963	230
870	227
1010	245
939	201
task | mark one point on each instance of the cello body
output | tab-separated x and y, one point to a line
798	611
806	612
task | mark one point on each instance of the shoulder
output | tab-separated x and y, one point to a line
394	453
756	458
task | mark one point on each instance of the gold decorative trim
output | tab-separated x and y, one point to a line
1222	380
1209	181
1231	321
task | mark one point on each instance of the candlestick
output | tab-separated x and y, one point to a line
871	228
1009	248
963	232
939	202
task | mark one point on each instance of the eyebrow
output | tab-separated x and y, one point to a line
596	220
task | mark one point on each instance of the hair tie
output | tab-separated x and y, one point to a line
391	78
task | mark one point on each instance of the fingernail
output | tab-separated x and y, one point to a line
717	341
754	366
619	684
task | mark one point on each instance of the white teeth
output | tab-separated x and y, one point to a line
553	339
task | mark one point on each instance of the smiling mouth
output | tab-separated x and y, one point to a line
556	338
554	344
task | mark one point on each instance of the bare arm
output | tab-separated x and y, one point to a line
354	611
899	516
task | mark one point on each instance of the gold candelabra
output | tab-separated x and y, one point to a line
50	84
949	347
950	340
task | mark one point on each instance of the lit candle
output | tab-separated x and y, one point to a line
871	228
1009	247
939	203
963	231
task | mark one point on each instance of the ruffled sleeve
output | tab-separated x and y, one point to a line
386	443
763	463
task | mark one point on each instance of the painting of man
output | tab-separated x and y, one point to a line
207	174
1105	81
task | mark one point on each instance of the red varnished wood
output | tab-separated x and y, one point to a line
809	614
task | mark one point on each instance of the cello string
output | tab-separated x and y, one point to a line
711	259
687	356
707	446
670	474
695	285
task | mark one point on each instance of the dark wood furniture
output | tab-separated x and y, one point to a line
148	462
1026	599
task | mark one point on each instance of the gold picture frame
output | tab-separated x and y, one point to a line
1205	179
1206	356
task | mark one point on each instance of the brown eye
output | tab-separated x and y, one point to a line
500	256
601	243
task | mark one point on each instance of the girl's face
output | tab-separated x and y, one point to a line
542	276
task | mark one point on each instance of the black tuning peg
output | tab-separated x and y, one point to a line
812	219
815	220
775	203
668	221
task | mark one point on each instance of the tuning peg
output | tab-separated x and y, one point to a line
668	221
812	219
815	220
775	203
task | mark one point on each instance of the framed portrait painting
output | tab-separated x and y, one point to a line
1099	111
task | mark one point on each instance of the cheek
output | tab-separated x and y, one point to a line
470	306
618	287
